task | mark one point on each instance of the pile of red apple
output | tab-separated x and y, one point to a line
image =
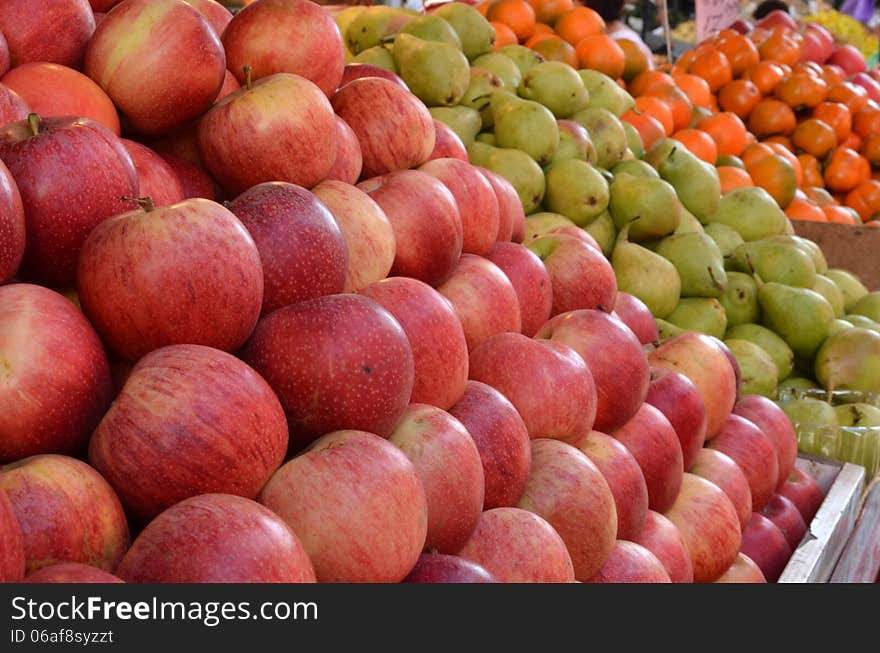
352	371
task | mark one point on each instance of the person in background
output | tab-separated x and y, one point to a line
611	12
767	6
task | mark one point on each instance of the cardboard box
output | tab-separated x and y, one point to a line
852	248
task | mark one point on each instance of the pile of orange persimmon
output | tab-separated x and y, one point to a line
745	103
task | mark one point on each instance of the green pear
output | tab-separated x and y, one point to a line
539	224
370	27
647	275
688	224
752	212
378	55
727	238
857	415
869	306
437	73
703	314
345	17
862	322
502	67
814	251
859	435
515	166
478	93
829	290
574	143
667	330
695	181
759	373
698	261
850	360
464	121
740	299
853	289
795	383
839	325
729	160
557	86
523	57
487	137
476	34
649	206
604	231
576	190
810	411
633	141
801	316
780	352
524	125
635	167
776	261
606	133
431	27
605	93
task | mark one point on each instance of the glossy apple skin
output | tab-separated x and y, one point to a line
386	145
633	312
765	544
189	420
849	58
803	490
720	469
230	85
743	570
755	455
518	546
483	299
71	572
530	281
55	31
71	176
709	526
215	13
448	465
447	144
368	234
629	562
269	37
156	179
443	568
501	439
12	225
349	161
615	358
5	62
426	223
205	288
281	128
548	382
302	250
661	537
782	512
624	477
336	362
774	423
356	70
194	181
12	106
511	217
57	378
675	395
12	556
440	354
67	512
55	90
216	538
357	504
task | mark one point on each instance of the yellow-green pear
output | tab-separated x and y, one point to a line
479	91
378	55
752	212
477	35
802	317
370	27
850	360
635	167
649	206
437	73
523	57
698	261
688	224
540	224
758	371
869	306
576	190
740	299
431	27
646	275
696	182
487	137
515	166
780	352
667	329
557	86
502	67
524	125
703	314
605	93
853	289
862	322
633	141
606	133
776	261
830	291
602	229
574	143
464	121
727	238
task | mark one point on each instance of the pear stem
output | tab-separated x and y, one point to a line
34	123
715	281
247	77
146	203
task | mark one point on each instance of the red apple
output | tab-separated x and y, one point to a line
66	511
548	382
447	144
12	556
755	455
661	537
743	570
215	13
530	281
502	440
5	63
483	299
448	464
189	420
355	70
675	395
230	85
518	546
813	48
12	225
578	233
182	141
825	38
280	128
511	217
72	174
386	145
216	538
582	277
368	234
741	26
847	57
55	90
56	377
336	362
440	353
804	492
777	18
734	364
475	199
782	512
156	179
55	31
349	161
633	313
103	6
709	526
370	521
269	36
765	544
699	358
624	477
629	562
138	54
443	568
426	223
71	572
12	106
774	423
871	85
194	181
302	249
569	491
720	469
614	356
205	288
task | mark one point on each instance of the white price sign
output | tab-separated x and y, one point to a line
714	15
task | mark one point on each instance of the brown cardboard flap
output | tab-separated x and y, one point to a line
856	249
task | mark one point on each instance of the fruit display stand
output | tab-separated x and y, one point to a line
852	248
860	560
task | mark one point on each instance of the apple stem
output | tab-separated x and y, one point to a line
34	123
146	203
247	76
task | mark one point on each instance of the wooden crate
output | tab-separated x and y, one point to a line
860	560
856	249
